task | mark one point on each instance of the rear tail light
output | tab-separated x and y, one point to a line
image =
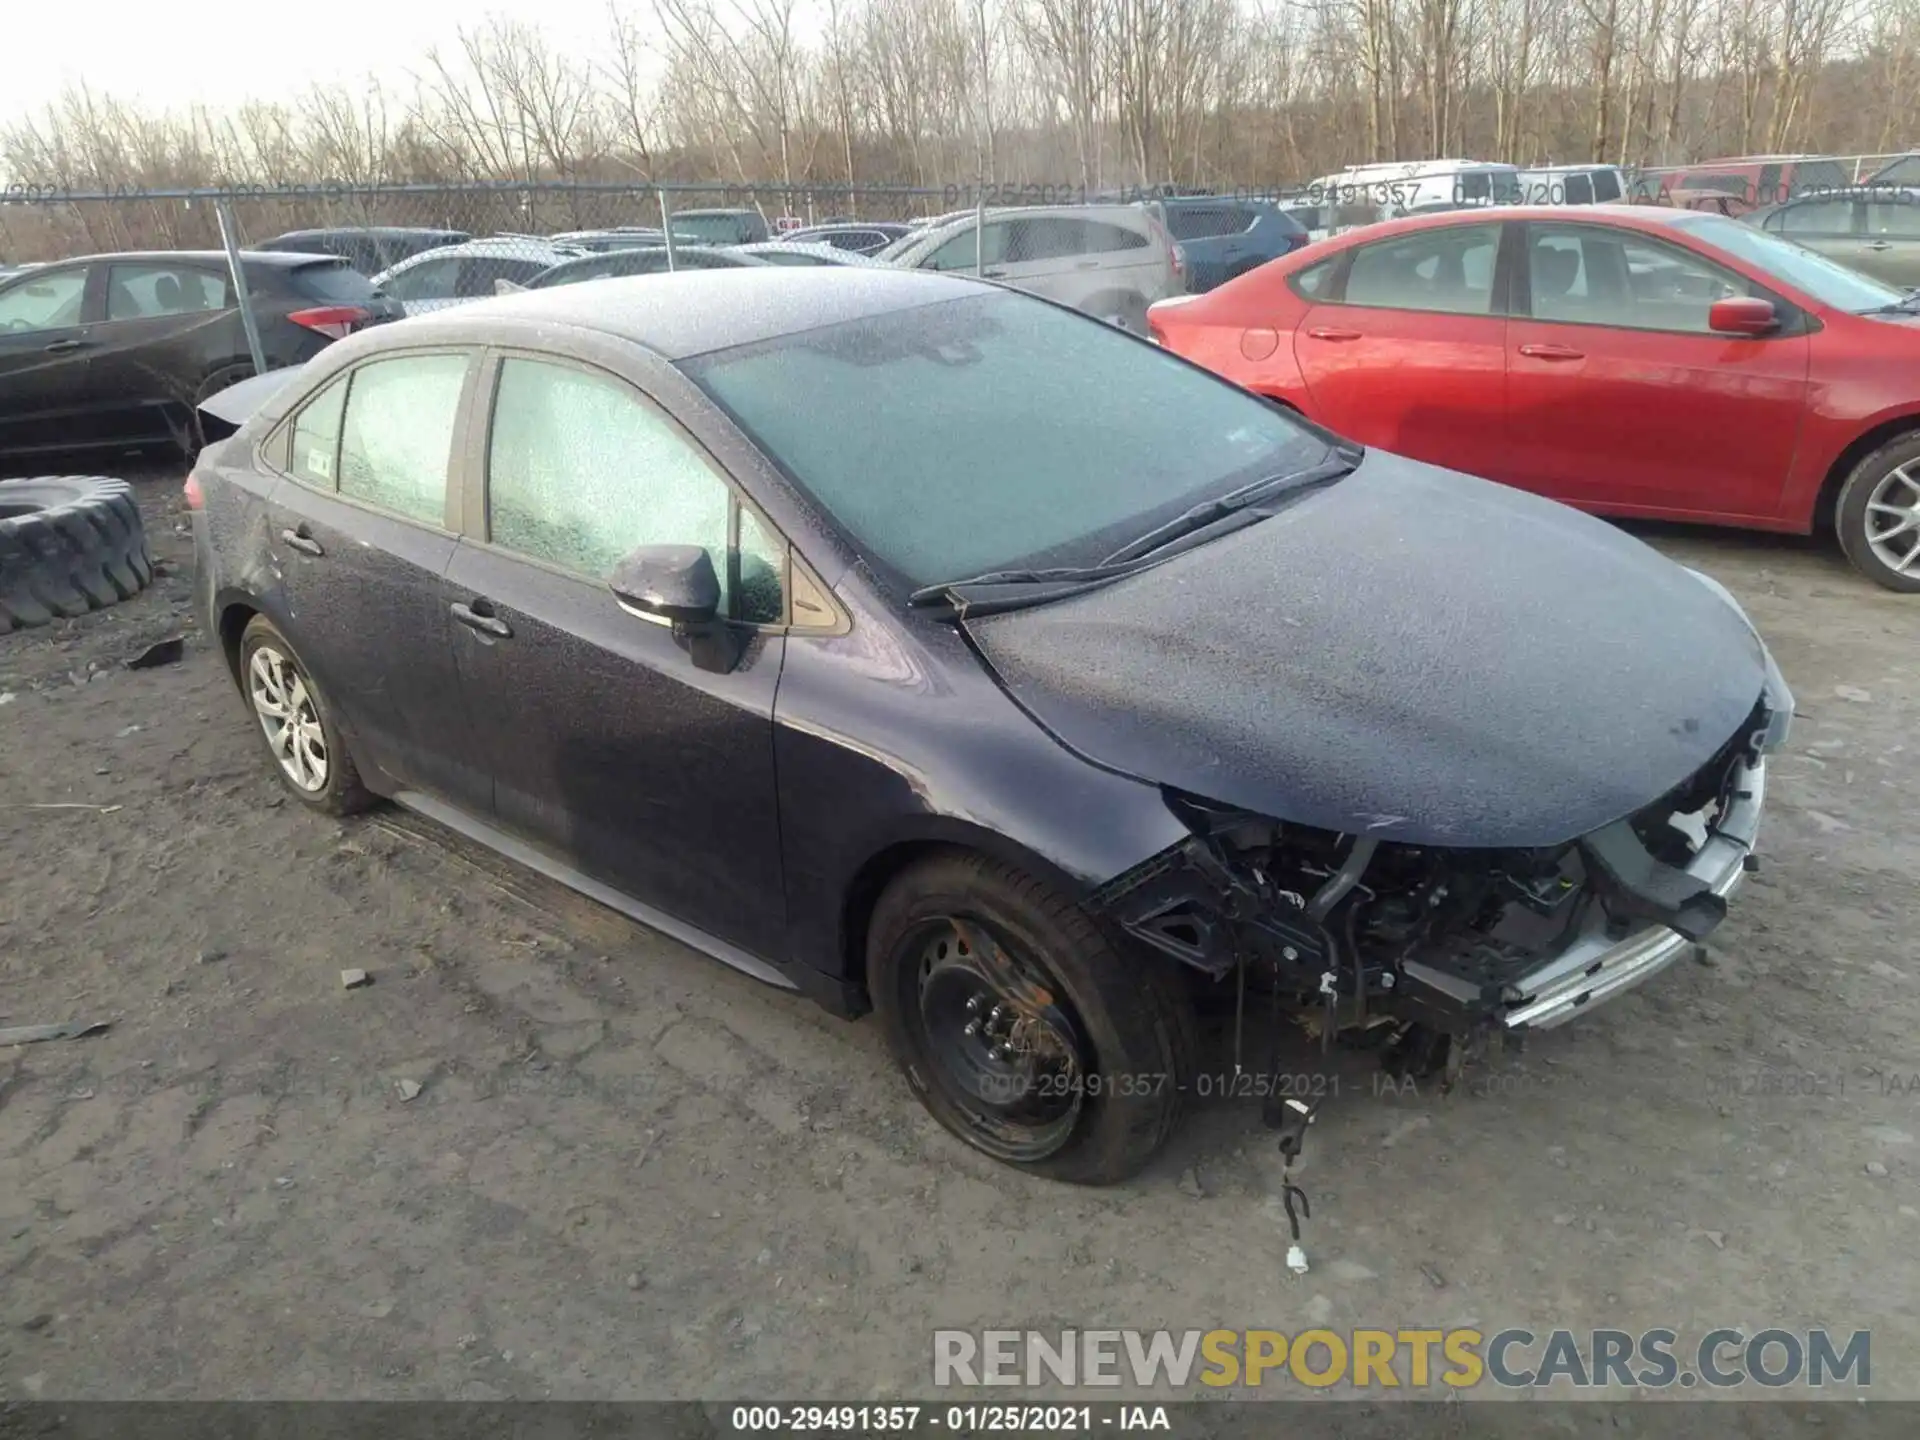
336	322
196	499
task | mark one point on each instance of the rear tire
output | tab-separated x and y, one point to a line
1877	515
296	724
1102	1043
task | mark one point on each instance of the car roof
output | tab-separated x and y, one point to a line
692	312
377	231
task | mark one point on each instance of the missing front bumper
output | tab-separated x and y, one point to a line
1598	966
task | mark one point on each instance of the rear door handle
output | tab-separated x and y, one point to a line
486	624
66	347
992	274
303	542
1551	352
1871	245
1324	333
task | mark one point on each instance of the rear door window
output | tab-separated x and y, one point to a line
140	292
397	436
429	280
1099	238
1815	217
1606	186
1046	237
1894	220
1448	269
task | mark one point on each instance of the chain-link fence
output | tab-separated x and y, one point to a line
425	246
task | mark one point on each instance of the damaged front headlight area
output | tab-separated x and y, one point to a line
1430	945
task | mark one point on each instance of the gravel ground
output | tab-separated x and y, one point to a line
628	1172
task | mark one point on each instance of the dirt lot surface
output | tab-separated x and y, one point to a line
629	1172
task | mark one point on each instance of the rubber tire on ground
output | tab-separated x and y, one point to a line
1132	1009
1850	512
194	440
76	545
344	793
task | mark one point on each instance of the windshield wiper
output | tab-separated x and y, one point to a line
1903	306
1188	526
1332	467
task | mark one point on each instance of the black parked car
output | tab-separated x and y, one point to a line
370	249
111	351
926	646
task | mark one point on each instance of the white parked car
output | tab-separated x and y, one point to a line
797	252
1110	261
455	274
1403	186
1570	185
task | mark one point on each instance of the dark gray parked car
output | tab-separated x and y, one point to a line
369	249
1222	238
923	646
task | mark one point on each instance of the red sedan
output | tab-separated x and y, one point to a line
1630	360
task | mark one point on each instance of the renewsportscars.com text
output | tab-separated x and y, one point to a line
1366	1359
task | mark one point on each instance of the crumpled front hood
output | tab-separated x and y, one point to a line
1408	653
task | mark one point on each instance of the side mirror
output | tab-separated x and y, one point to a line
1743	315
504	286
668	584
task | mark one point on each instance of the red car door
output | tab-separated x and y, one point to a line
1409	354
1619	396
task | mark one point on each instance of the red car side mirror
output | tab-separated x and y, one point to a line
1743	315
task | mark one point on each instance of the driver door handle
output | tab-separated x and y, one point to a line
303	542
1551	352
66	347
473	619
1324	332
1871	245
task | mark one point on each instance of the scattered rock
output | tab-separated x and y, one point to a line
1704	955
354	979
125	730
1854	693
7	697
1717	1238
378	1309
161	652
1190	1184
282	1182
765	1257
38	1322
635	1280
408	1088
209	957
1563	1219
1876	1169
1434	1277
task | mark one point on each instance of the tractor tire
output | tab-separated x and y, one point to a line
68	544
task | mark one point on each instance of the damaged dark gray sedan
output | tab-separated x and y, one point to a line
930	649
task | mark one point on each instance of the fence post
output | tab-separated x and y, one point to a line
666	227
980	229
230	241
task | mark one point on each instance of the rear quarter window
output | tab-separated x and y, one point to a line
1316	281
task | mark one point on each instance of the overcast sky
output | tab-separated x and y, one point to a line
171	56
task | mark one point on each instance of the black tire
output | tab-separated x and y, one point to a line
1850	513
342	791
193	440
68	544
1132	1022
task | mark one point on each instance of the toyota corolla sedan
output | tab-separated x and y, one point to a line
1631	360
929	648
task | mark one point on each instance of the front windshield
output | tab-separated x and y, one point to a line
996	432
1827	281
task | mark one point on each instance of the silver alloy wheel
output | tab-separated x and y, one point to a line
1893	520
288	716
